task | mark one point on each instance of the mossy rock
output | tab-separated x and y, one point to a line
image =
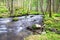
15	19
34	27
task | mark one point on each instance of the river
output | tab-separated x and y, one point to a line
9	27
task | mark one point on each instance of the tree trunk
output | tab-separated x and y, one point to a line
57	6
41	6
37	5
11	11
53	6
30	5
50	14
8	5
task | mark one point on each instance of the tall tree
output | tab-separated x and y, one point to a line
57	5
8	5
50	14
37	5
41	6
53	2
30	2
11	11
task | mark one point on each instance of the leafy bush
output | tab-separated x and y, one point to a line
3	10
33	12
16	15
56	15
4	15
25	11
21	11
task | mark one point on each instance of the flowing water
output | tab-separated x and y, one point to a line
11	28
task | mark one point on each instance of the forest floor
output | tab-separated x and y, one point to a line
47	36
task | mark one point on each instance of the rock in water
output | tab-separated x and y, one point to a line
38	26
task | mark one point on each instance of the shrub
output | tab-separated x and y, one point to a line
56	15
21	11
3	10
34	12
16	15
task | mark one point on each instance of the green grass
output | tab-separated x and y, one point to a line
48	36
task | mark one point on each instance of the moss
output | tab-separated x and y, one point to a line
34	27
15	19
52	22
